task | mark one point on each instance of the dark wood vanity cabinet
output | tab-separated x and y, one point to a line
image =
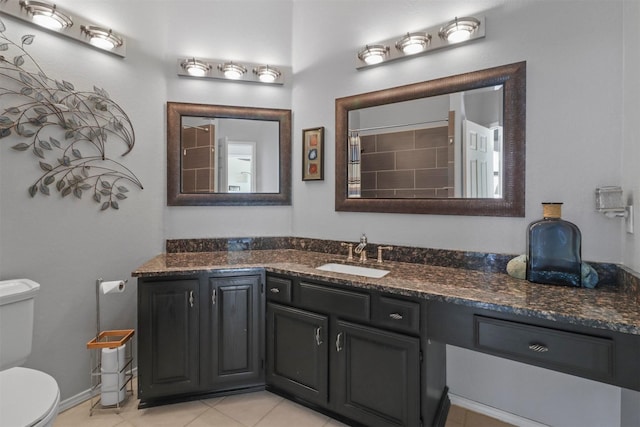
597	354
168	337
233	343
376	375
199	335
334	348
298	352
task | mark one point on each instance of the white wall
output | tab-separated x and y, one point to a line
66	244
537	394
565	158
631	136
253	31
575	141
574	144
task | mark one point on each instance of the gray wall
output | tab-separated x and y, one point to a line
579	130
631	136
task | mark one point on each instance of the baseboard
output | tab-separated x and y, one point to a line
81	397
492	412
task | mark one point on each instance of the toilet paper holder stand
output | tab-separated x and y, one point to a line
98	286
108	339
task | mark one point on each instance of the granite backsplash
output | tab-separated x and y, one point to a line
609	274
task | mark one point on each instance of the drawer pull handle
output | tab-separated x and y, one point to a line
396	316
338	346
274	290
538	348
191	298
318	339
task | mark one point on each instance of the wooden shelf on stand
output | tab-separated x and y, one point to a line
109	340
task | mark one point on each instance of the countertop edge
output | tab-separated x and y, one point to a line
362	282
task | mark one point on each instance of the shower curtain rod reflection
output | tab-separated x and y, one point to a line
195	127
398	126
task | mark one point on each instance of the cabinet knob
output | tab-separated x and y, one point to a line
213	297
274	290
538	348
191	298
396	316
338	345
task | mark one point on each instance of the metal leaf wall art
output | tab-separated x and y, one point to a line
66	130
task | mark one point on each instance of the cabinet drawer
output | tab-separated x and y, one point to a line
397	313
325	299
569	351
278	289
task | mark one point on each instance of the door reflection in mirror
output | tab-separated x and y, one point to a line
238	167
227	155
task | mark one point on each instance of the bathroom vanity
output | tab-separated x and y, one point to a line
355	352
369	351
200	333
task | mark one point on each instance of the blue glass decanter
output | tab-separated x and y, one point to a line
554	249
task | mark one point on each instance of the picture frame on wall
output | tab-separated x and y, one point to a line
313	154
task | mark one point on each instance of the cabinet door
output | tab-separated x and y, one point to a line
297	352
234	341
168	337
376	379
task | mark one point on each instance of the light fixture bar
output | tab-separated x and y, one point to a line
420	42
234	71
49	17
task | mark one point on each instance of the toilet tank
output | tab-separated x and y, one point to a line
16	320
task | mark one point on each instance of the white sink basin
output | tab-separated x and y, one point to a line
354	269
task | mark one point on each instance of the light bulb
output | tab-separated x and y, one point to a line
48	21
102	42
459	36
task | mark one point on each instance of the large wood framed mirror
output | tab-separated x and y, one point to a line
225	155
450	146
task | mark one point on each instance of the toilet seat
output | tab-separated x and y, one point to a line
28	398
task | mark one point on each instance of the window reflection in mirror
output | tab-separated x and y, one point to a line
446	146
223	155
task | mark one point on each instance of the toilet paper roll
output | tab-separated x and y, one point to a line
112	386
112	389
113	286
113	359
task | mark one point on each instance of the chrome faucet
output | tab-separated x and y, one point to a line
360	249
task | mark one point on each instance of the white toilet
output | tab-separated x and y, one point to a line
27	397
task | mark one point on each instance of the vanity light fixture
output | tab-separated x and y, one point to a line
232	71
459	30
455	32
46	15
413	43
60	21
101	38
267	74
373	54
195	67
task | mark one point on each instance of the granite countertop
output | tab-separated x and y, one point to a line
605	307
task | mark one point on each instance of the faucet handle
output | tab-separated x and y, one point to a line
380	249
350	246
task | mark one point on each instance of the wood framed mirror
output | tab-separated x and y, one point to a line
226	155
393	156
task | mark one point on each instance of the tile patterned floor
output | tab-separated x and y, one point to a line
260	409
460	417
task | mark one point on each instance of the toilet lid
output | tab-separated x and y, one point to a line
26	396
